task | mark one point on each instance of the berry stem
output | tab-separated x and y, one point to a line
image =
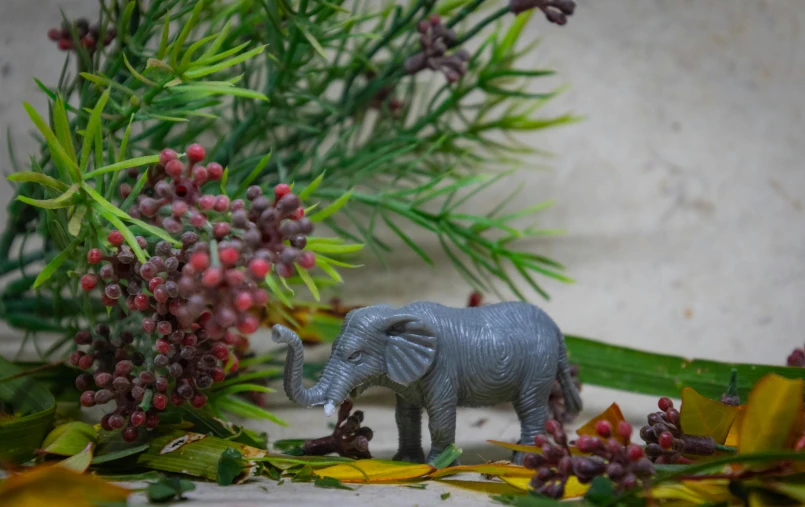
214	258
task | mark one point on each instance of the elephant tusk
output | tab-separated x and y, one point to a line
329	408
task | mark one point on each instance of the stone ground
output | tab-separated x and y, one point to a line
681	193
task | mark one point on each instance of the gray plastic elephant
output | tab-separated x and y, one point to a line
437	358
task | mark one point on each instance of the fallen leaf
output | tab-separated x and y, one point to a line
702	416
528	448
773	418
57	486
573	488
375	470
699	492
735	429
284	462
487	487
445	496
79	462
485	468
167	489
230	466
69	438
612	414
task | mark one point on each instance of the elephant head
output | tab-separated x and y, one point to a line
374	342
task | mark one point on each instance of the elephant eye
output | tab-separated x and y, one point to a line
355	356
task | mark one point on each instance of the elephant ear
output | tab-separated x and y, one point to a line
411	348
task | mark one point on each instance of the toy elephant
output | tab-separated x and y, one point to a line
438	358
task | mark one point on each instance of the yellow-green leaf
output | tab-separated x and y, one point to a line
93	126
127	234
684	493
56	263
62	126
335	249
702	416
137	75
69	438
613	415
773	417
486	487
74	226
573	488
211	69
79	462
308	191
375	470
486	469
124	164
42	179
332	208
60	157
63	201
311	285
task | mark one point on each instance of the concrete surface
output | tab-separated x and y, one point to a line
681	193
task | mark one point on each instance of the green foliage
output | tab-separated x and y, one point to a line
168	489
230	465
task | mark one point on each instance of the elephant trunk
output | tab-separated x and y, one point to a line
338	390
293	370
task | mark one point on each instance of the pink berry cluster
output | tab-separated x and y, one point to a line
179	315
435	39
625	465
666	442
88	35
258	232
797	358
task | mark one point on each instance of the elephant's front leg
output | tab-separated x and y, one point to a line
409	427
442	425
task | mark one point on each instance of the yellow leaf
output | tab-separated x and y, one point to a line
56	486
487	469
708	491
732	436
79	462
702	416
612	414
375	470
486	487
573	488
773	418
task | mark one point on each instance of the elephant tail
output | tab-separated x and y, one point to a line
573	402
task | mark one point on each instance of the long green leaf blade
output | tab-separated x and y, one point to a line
56	263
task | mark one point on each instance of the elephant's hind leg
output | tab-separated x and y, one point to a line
409	427
532	410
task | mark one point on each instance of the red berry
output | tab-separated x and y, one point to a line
164	328
435	19
149	325
583	443
206	202
672	415
540	440
221	229
235	364
117	421
94	256
260	297
196	152
200	174
800	445
285	270
141	302
179	208
89	281
54	34
116	238
154	283
243	301
152	421
635	452
85	363
221	203
220	351
130	434
198	220
666	440
200	261
65	44
211	276
159	401
234	277
138	418
624	430
75	357
259	268
163	346
307	259
190	340
166	156
218	375
299	213
228	255
88	399
665	403
603	428
105	422
552	426
249	324
198	400
174	168
281	190
214	171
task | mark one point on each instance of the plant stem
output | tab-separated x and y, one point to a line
481	25
32	371
726	448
